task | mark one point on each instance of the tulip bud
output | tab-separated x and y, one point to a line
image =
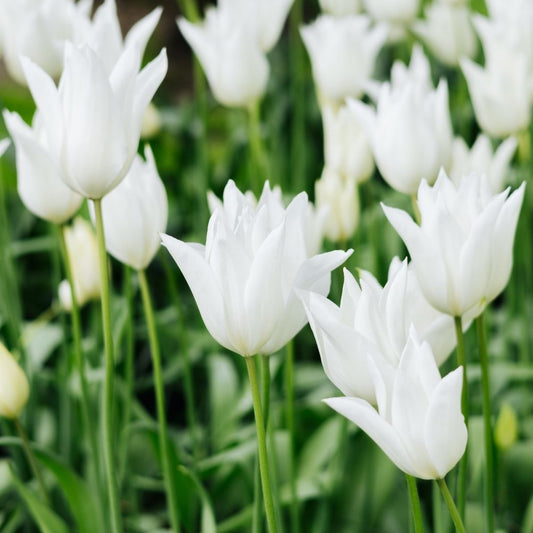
82	249
506	429
14	387
340	197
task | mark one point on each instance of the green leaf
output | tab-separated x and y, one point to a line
208	516
80	497
45	518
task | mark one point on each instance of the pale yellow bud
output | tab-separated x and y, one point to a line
506	430
14	388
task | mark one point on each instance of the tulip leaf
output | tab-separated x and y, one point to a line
527	526
46	519
80	497
208	523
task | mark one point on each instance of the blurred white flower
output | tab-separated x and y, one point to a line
340	198
230	54
481	158
93	120
14	387
343	52
374	321
82	249
340	8
448	32
462	252
418	422
502	90
244	278
410	133
4	145
346	147
135	213
396	14
39	29
39	181
151	123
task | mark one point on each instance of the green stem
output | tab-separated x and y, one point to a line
79	357
487	425
261	445
415	504
257	516
454	513
189	8
461	361
289	413
32	460
111	479
259	170
172	497
264	367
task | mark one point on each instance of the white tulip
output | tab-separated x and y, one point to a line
462	252
135	214
93	120
418	422
343	52
340	8
244	278
14	387
39	182
481	158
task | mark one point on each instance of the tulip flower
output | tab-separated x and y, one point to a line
234	63
340	8
244	278
501	92
396	14
481	158
410	133
462	252
343	52
39	29
374	321
39	181
14	387
418	422
341	199
92	122
4	145
447	32
82	251
346	147
135	213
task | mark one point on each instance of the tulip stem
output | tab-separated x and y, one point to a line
172	497
289	413
487	425
79	355
261	445
454	513
415	504
32	460
259	169
111	479
461	361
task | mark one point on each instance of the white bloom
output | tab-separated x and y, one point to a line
346	147
481	158
39	181
397	15
135	213
448	32
93	120
230	54
340	8
463	251
82	249
374	321
418	422
244	278
39	29
343	52
341	199
410	133
4	144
